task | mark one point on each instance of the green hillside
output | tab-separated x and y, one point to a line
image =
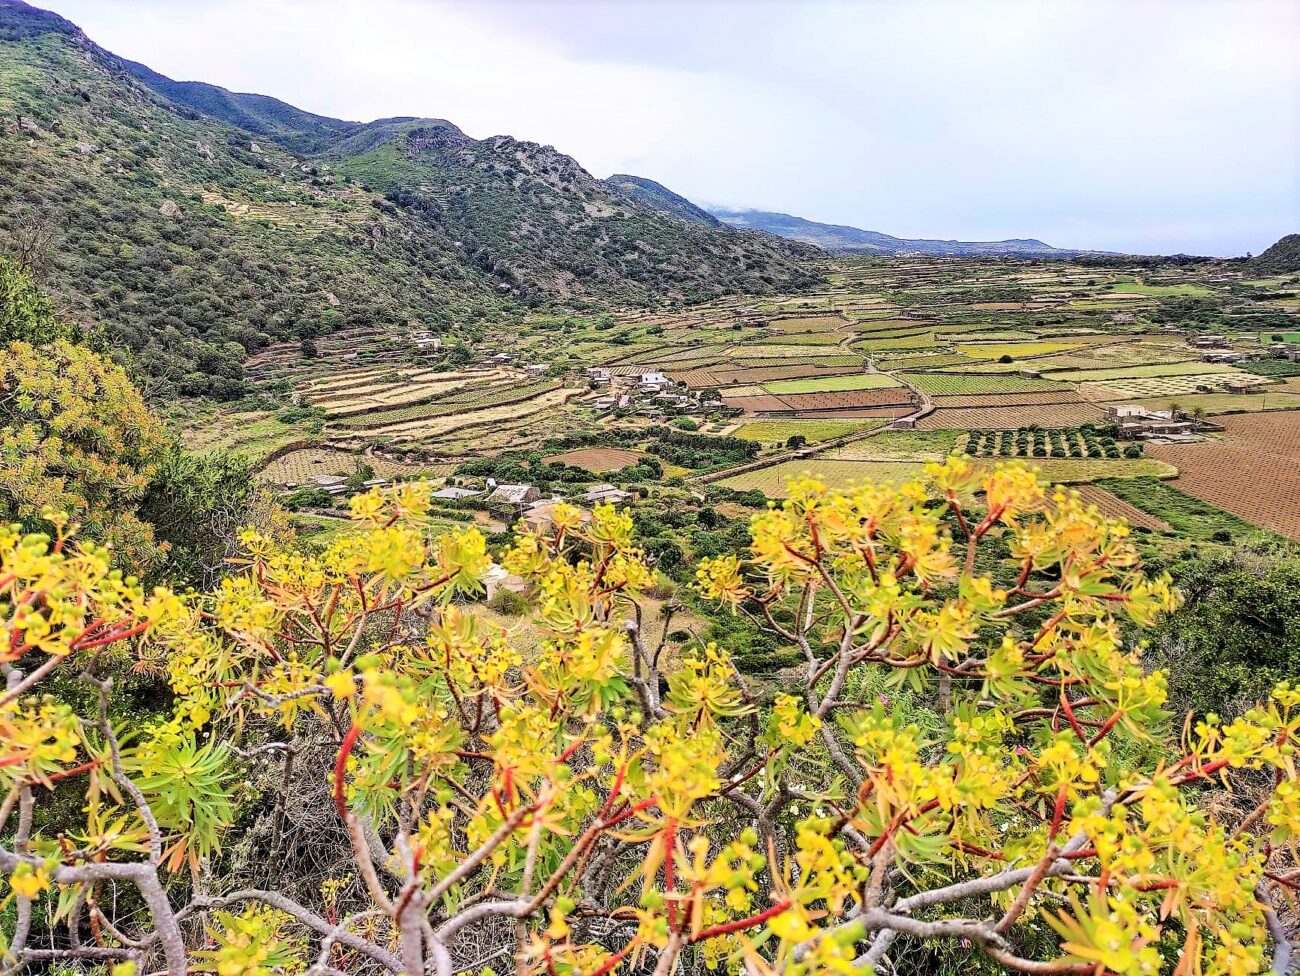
194	242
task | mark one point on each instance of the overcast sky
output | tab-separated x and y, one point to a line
1138	125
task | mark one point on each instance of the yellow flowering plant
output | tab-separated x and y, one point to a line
596	802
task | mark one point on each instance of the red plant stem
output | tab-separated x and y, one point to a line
670	871
619	818
1058	814
1101	733
612	961
74	771
341	767
1069	714
613	791
114	637
741	924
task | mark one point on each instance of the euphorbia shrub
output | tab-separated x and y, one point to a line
594	801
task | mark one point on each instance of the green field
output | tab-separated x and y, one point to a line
813	431
1136	372
773	481
1016	350
1131	286
833	384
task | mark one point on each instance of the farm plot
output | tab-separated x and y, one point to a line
951	384
816	323
459	402
407	391
1251	470
764	374
761	403
847	400
833	384
1064	395
297	467
426	428
978	418
1112	506
1268	398
1144	371
812	431
1037	442
1016	350
597	460
773	481
923	362
1163	386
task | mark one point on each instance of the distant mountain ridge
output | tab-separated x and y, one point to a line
843	239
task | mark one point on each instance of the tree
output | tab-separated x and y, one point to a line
795	441
963	756
26	314
76	440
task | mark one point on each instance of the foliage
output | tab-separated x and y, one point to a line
76	438
26	313
961	756
1238	633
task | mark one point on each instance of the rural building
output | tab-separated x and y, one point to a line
1123	411
606	493
335	484
536	369
1209	341
516	495
495	579
1227	356
1239	386
540	516
1123	318
598	374
654	381
452	493
605	402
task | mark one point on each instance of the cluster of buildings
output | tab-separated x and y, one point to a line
1137	423
526	502
337	484
648	394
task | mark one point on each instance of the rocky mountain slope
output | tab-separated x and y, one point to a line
656	196
838	238
1282	256
197	225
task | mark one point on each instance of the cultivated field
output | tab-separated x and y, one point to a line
1251	470
596	459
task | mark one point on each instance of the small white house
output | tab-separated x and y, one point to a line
518	495
452	493
606	493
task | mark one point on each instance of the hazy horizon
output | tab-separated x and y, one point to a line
1155	127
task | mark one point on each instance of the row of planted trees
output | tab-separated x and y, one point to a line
353	772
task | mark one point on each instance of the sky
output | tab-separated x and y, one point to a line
1146	126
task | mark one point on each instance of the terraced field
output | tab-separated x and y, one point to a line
971	352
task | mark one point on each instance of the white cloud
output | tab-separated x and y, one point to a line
1169	125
